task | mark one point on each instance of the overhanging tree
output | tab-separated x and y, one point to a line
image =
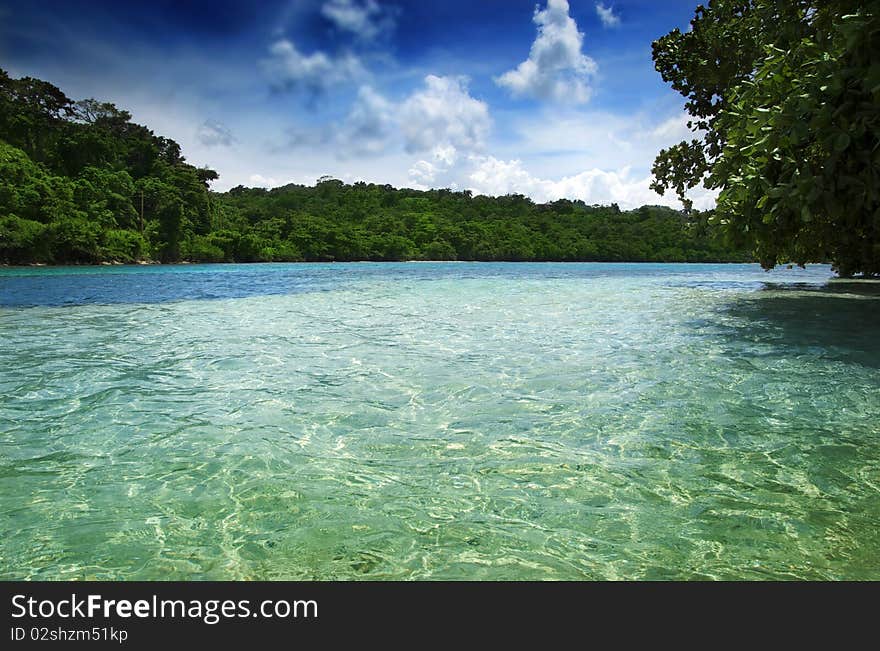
785	101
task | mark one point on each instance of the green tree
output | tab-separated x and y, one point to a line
29	191
23	241
440	250
32	114
785	101
106	196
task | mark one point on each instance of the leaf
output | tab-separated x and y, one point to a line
806	214
841	142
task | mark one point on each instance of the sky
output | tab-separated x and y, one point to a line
553	100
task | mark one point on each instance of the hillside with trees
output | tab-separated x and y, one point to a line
336	221
80	183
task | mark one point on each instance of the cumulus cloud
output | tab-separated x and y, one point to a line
446	154
443	114
556	69
491	176
596	157
212	134
369	125
423	174
607	15
366	20
260	181
441	117
440	170
290	69
495	177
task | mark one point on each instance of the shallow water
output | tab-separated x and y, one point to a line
438	421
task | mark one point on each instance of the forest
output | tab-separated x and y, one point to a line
80	183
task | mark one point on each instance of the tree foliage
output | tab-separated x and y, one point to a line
361	221
785	100
81	183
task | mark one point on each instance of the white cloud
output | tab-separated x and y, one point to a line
366	20
587	156
594	156
556	69
675	129
444	114
423	174
495	177
290	69
212	133
446	154
441	118
607	15
260	181
491	176
369	125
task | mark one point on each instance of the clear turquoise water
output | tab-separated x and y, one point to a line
438	421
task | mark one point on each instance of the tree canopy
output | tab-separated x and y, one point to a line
81	183
785	106
361	221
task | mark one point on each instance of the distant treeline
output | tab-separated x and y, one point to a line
81	183
335	221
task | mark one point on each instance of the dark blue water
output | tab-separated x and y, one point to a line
108	285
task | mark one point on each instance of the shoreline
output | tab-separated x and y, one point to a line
308	262
144	263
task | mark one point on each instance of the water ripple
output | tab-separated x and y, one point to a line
459	421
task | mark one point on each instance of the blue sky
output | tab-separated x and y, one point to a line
558	99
